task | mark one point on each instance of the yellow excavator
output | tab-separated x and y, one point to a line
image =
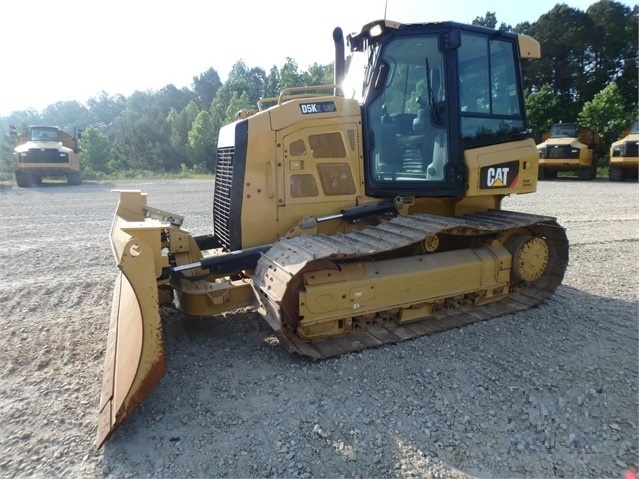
352	215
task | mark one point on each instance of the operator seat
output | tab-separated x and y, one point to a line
391	151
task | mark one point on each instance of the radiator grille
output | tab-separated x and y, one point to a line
46	155
632	148
222	196
563	151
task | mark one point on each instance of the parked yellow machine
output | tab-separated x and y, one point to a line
568	148
351	218
624	156
45	152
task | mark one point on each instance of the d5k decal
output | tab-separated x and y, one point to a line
318	107
503	175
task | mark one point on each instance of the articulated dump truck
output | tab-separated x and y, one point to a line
45	152
624	156
568	147
352	215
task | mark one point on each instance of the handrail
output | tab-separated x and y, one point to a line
290	93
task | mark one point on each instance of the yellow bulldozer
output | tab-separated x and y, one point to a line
352	215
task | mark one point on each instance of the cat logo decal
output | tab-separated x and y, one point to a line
503	175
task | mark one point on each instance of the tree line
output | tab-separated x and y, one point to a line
168	130
587	73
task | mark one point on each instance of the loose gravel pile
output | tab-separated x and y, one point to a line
550	392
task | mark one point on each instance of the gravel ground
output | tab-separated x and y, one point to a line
551	392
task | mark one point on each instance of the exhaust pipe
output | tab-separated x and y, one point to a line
340	63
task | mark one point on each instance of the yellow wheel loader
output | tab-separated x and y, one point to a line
352	215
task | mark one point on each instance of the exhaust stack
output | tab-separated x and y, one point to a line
340	65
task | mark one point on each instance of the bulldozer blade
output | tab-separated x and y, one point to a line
135	359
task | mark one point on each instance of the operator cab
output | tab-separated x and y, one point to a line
429	92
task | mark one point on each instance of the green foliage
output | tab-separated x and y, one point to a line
185	173
170	131
67	115
205	86
201	144
6	164
141	134
272	84
242	79
318	75
104	109
582	52
605	116
256	81
541	108
6	148
490	21
563	35
96	152
290	75
613	51
219	107
237	103
179	125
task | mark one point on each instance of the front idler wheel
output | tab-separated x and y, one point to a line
530	257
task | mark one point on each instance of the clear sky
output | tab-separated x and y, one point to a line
74	49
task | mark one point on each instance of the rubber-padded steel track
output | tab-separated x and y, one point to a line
279	272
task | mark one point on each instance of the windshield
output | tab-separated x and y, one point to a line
635	127
568	130
44	134
489	95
